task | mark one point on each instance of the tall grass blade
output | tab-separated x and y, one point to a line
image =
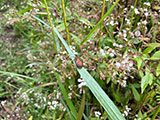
69	102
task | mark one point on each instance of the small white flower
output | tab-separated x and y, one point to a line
36	105
124	35
64	52
114	44
112	23
102	52
111	54
55	103
97	113
8	115
137	33
138	23
126	113
120	46
49	103
127	29
114	74
127	108
123	84
80	80
82	83
128	21
147	3
131	64
44	98
51	107
144	22
107	24
3	102
118	65
125	9
132	6
119	33
145	9
124	31
136	11
146	14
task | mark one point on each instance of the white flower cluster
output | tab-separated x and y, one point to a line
102	52
116	45
136	11
73	49
40	101
125	63
126	111
123	83
81	83
111	52
112	22
97	114
147	3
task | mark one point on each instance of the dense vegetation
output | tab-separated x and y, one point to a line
79	59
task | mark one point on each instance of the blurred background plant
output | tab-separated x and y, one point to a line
123	57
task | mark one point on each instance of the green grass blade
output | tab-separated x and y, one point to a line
156	113
17	75
81	110
101	96
91	32
67	109
69	102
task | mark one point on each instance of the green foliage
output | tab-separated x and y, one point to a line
120	52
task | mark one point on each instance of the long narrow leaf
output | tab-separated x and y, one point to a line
69	102
81	110
17	75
